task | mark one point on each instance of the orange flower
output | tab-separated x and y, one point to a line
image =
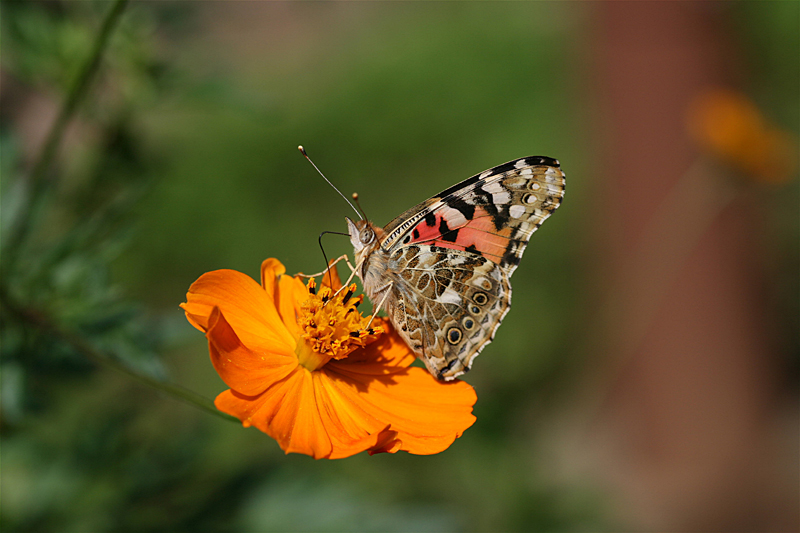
730	126
302	368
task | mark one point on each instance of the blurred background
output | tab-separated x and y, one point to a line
646	377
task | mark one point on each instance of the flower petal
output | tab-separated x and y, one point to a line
387	355
287	412
351	429
389	446
331	279
290	296
296	418
287	293
246	306
271	270
239	367
426	414
291	413
378	387
259	410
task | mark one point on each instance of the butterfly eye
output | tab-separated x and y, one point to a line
366	235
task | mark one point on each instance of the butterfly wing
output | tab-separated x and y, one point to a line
447	304
493	213
451	258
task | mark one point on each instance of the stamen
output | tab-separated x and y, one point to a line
350	290
334	330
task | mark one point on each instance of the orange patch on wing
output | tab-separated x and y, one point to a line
481	233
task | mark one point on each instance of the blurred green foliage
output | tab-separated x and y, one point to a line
183	160
58	274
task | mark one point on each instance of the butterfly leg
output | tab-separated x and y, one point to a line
342	258
349	279
386	290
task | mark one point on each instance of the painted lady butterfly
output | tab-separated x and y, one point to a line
442	268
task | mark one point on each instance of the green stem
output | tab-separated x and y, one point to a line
38	180
42	322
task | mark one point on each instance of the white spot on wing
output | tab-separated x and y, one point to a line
516	211
453	217
482	282
521	163
500	198
493	187
449	296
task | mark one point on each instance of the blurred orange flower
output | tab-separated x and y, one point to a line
730	126
303	369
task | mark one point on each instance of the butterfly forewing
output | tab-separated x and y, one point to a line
493	213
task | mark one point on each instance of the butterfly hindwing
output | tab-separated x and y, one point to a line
448	305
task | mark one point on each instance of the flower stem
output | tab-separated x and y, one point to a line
38	181
41	321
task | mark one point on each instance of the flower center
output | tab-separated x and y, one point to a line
332	326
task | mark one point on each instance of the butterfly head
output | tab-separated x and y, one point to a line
365	237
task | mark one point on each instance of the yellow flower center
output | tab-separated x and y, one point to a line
332	326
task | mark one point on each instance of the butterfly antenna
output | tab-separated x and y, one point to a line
303	151
355	199
328	267
325	257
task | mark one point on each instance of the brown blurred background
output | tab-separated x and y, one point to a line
697	425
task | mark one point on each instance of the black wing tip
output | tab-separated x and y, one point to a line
530	161
540	160
543	160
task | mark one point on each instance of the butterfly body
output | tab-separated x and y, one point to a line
443	267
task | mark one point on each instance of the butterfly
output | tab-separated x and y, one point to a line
442	269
